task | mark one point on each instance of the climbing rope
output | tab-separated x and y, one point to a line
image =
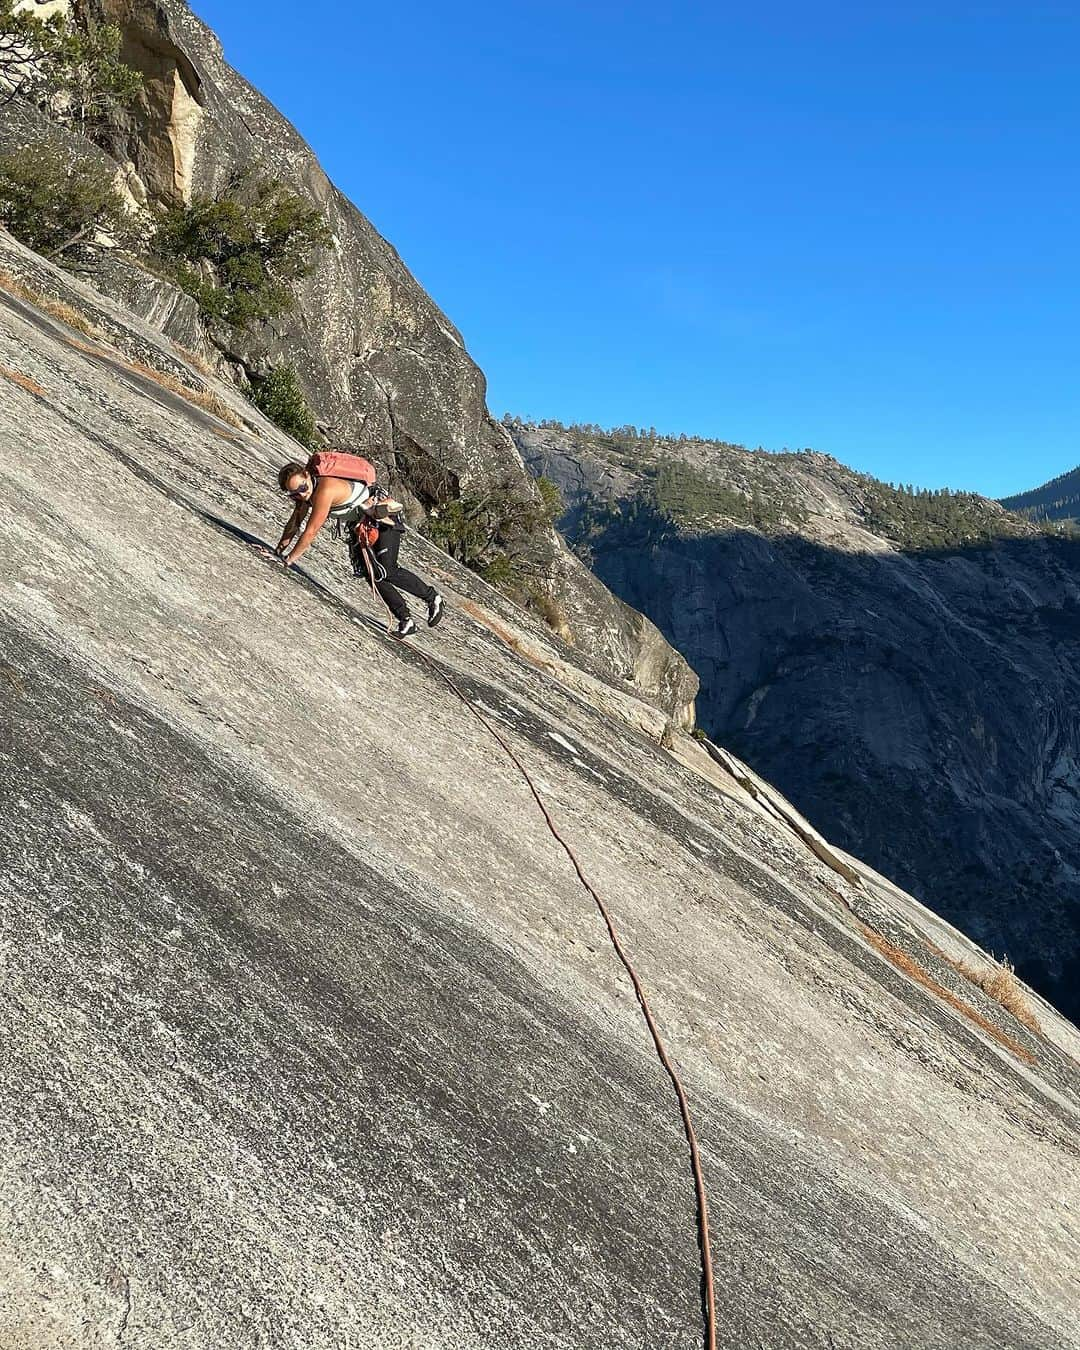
235	532
661	1050
366	551
620	951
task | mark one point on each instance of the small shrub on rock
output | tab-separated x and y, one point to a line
27	45
552	498
240	256
88	81
458	526
500	532
281	397
547	607
52	202
73	69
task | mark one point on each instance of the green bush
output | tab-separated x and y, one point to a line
280	396
458	527
88	80
498	532
241	259
73	69
51	202
27	47
552	498
502	573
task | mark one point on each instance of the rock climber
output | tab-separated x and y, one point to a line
372	520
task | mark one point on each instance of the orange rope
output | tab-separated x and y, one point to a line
374	593
661	1051
654	1031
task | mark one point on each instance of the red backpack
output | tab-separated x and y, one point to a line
337	464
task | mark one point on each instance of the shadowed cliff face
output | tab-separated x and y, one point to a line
309	1034
920	708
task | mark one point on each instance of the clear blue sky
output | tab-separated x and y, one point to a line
846	226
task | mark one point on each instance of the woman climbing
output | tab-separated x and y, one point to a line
325	489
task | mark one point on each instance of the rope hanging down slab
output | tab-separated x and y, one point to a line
654	1032
650	1021
235	532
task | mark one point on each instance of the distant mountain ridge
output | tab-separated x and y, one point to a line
904	664
1059	499
700	482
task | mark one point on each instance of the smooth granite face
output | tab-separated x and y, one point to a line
310	1037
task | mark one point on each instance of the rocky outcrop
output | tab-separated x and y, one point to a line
919	707
309	1034
384	368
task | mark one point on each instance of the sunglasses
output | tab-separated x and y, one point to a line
298	494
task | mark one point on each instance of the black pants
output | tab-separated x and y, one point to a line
385	561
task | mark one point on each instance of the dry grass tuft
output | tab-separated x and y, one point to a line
197	362
205	399
57	308
999	982
23	381
13	679
551	612
72	317
105	351
13	285
510	639
911	968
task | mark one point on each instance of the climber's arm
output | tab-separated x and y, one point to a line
296	519
321	503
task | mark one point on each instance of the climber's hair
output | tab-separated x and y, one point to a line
291	470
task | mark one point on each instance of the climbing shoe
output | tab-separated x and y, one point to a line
434	610
405	627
